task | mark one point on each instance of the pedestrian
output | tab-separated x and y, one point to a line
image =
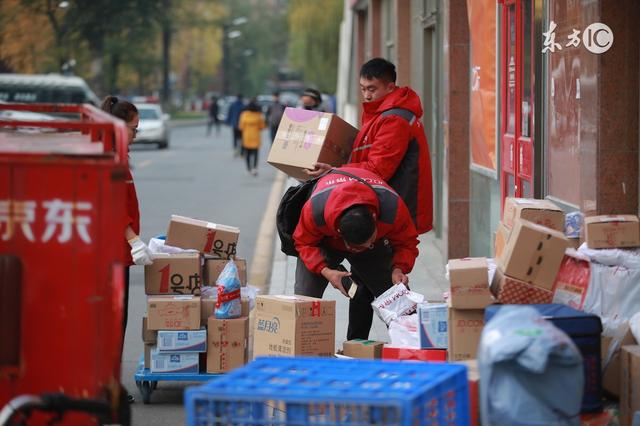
139	252
213	116
361	219
392	141
233	119
251	123
311	99
274	115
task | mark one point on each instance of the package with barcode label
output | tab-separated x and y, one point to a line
395	302
168	362
182	340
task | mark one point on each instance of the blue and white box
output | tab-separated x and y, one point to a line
170	362
433	318
182	340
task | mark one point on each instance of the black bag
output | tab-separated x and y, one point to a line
290	207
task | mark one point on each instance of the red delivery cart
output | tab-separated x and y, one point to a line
62	219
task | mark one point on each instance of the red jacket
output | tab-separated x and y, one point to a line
392	144
133	213
333	194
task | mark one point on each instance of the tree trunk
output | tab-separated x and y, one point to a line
113	75
166	58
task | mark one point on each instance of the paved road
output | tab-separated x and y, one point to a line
197	177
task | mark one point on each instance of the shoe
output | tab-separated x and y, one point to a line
131	399
254	172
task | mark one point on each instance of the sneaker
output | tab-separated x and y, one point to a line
131	398
254	172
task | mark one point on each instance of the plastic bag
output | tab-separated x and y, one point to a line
395	302
531	373
403	332
157	245
250	292
228	304
634	324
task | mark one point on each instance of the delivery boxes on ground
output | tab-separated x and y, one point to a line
294	325
509	290
630	383
227	344
307	137
177	273
612	231
541	212
465	328
206	237
469	280
173	313
213	267
364	349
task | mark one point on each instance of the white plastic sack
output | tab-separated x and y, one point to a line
396	302
250	292
156	245
403	332
634	325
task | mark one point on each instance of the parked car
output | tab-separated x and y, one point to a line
49	88
153	126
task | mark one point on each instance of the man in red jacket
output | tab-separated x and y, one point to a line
367	224
392	142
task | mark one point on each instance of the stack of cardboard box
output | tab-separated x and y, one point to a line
530	246
180	325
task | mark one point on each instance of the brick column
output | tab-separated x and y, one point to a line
403	42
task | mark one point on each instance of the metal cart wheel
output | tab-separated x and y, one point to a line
146	390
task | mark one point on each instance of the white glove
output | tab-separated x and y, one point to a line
140	252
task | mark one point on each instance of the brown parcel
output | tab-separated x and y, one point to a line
147	354
465	328
173	313
469	280
294	325
226	344
148	336
542	212
206	237
501	238
177	273
364	349
533	254
630	383
308	137
611	370
612	231
213	266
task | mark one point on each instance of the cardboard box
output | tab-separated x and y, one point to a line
147	355
612	231
501	238
433	319
173	312
307	137
171	362
227	344
177	273
512	291
148	336
465	328
469	280
533	254
213	266
294	325
206	237
182	340
364	349
630	383
542	212
611	370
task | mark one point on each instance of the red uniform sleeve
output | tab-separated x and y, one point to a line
388	147
307	239
404	240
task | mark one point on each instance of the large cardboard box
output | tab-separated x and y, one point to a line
364	349
433	320
542	212
173	313
630	383
611	370
512	291
182	340
533	254
465	328
469	280
213	266
148	336
171	362
227	344
177	273
612	231
307	137
501	238
206	237
294	325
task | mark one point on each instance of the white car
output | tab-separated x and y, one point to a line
153	126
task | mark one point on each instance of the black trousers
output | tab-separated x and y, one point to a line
370	269
237	138
251	155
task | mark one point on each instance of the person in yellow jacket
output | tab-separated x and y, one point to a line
251	124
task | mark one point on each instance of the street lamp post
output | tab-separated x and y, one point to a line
226	36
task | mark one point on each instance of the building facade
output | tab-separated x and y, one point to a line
528	98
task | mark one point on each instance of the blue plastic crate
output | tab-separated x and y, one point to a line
329	391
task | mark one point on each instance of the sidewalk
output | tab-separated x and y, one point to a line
426	278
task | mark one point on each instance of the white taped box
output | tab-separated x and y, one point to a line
184	362
182	340
395	302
